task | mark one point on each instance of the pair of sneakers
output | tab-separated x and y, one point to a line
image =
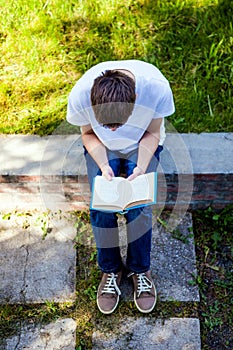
108	294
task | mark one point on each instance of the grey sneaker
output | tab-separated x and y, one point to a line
108	294
145	295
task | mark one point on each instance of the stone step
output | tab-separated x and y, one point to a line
138	333
144	333
60	334
33	269
173	263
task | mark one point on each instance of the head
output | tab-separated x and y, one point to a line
112	98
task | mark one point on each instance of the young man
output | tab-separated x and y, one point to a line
120	107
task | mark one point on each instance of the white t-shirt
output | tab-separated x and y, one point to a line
154	100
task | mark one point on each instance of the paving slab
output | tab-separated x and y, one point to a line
59	335
173	262
149	334
34	268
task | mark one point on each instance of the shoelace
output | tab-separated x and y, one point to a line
144	284
111	285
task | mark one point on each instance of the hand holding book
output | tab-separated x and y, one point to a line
136	172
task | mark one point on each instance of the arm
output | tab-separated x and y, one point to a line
147	147
97	150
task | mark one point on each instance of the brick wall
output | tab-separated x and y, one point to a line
195	191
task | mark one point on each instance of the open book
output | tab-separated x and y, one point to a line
120	194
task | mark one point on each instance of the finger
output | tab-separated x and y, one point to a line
107	176
112	173
131	177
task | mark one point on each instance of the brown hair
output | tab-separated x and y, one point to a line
112	98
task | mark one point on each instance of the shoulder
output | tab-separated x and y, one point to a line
153	87
147	70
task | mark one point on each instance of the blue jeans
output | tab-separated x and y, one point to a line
138	221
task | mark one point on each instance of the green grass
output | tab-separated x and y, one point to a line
47	45
214	249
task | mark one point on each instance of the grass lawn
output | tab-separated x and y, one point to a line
47	45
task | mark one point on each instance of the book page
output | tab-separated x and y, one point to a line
108	192
140	187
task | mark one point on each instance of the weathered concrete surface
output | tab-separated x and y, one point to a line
33	269
201	149
59	335
173	263
35	155
63	154
149	334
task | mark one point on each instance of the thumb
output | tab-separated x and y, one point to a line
131	177
108	173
